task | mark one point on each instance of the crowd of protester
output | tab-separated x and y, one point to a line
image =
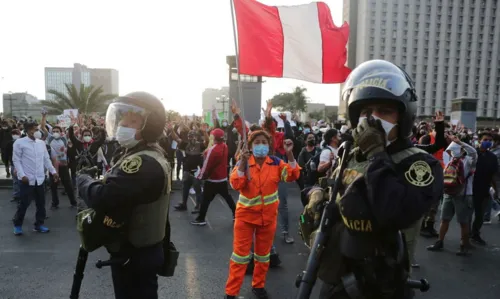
205	157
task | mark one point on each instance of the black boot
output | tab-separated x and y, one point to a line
229	297
260	293
438	246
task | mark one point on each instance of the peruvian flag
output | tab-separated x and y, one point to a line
299	42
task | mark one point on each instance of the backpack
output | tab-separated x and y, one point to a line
454	176
311	172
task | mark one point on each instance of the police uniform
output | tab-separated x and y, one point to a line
383	192
134	196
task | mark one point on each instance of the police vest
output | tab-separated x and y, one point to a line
146	225
332	266
357	169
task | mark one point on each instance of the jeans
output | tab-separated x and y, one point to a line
189	180
68	187
16	192
27	193
283	206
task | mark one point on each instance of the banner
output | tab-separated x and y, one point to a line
64	121
67	112
208	117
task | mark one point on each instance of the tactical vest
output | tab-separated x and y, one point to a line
332	267
146	225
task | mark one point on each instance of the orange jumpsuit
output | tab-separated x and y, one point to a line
256	214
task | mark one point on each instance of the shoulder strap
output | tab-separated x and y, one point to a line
400	156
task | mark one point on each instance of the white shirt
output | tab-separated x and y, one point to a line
325	154
469	161
30	158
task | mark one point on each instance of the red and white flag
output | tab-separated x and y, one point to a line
299	42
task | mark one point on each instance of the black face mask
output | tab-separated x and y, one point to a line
311	142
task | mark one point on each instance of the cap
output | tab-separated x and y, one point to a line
217	133
358	238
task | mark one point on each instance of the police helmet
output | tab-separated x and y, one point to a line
144	107
381	81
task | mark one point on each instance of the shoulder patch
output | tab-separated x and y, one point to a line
419	174
131	164
276	160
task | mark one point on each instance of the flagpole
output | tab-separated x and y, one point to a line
240	89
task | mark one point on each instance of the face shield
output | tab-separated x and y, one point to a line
124	115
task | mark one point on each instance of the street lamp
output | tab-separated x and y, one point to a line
223	99
10	102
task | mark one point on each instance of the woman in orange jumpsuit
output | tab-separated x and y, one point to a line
257	210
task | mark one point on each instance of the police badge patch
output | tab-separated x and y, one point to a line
419	174
131	164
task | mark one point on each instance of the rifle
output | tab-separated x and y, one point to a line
306	280
78	275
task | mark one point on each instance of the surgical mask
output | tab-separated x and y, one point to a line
224	124
126	137
486	144
37	135
235	130
5	128
56	135
387	126
306	131
15	137
87	138
260	150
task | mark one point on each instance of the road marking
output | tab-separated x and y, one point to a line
206	219
192	279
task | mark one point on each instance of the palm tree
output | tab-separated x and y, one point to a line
88	99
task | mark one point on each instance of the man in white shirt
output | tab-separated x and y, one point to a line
31	158
331	142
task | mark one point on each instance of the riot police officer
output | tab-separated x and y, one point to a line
134	195
387	186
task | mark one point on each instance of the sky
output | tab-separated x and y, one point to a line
173	49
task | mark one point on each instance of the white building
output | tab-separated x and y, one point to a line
449	48
57	77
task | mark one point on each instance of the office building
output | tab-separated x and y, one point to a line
56	78
449	48
21	104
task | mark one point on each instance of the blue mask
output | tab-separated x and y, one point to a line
486	144
260	150
306	131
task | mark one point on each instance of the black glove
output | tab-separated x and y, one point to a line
91	171
369	135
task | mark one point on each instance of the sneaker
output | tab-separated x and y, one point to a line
73	206
438	246
8	175
191	191
180	207
487	222
14	199
478	240
287	238
54	207
18	230
41	229
463	251
415	265
199	222
260	293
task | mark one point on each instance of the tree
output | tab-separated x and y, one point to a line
316	115
293	102
88	99
172	115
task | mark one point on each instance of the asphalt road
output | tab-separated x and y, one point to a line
41	265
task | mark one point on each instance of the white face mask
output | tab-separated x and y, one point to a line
126	137
37	135
15	137
87	138
387	126
56	135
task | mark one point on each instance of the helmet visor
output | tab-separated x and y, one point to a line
392	80
124	115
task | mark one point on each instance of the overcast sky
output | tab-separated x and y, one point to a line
173	49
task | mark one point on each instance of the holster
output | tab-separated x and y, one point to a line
170	254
